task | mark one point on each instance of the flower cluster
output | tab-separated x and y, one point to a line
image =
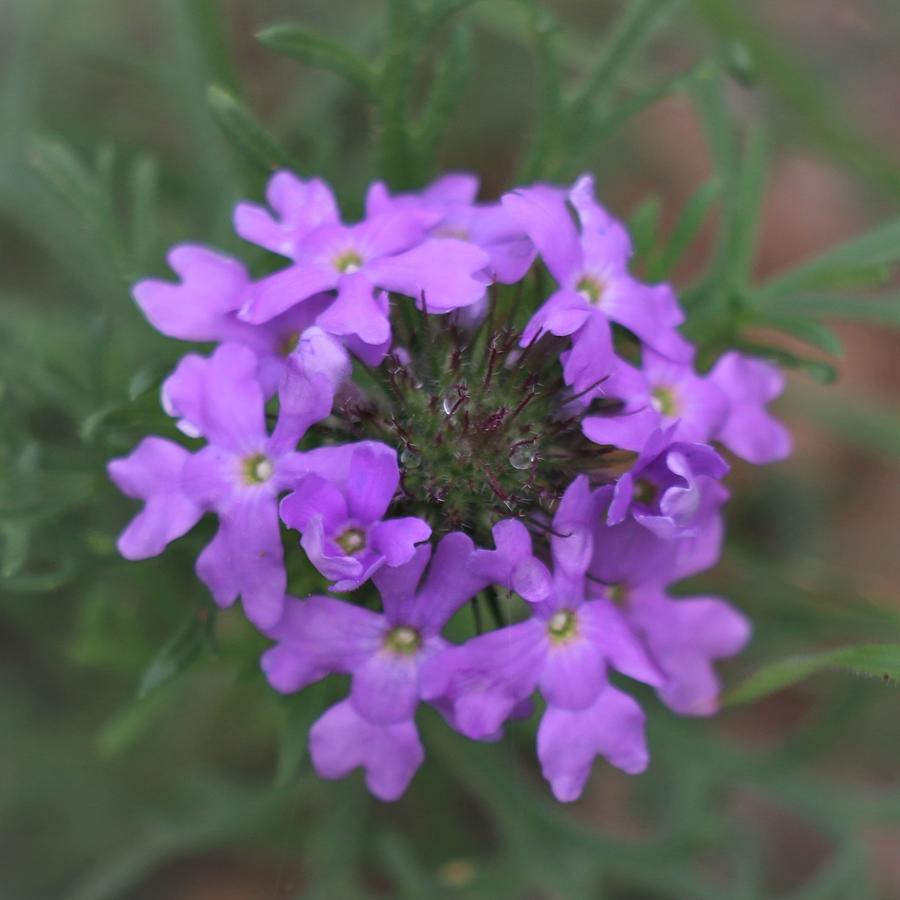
446	404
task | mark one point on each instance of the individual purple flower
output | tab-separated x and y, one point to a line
563	651
389	251
203	306
341	516
152	473
662	394
242	470
488	226
590	266
384	653
664	487
749	431
684	636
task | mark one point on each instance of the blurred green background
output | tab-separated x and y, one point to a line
142	754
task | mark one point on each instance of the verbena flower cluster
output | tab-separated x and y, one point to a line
448	404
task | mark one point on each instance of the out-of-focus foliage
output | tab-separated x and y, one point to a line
138	732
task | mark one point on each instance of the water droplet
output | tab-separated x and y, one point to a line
453	398
409	458
522	456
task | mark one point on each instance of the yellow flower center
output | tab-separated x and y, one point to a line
563	626
403	640
257	468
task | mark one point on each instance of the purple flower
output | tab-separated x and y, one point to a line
341	515
242	470
661	394
488	226
683	636
204	304
384	653
387	250
563	651
749	431
590	266
663	490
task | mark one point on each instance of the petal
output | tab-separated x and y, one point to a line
574	672
396	539
592	357
450	582
300	206
685	636
255	556
652	313
487	678
385	688
277	293
398	585
152	472
314	496
563	314
196	309
609	631
342	740
600	232
542	212
220	396
334	566
569	740
214	569
210	477
313	373
356	311
393	231
318	636
628	431
440	274
372	481
512	564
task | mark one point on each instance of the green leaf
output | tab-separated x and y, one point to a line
441	11
548	131
686	228
883	310
255	145
800	90
144	223
874	660
321	52
398	160
643	224
450	75
638	22
856	259
807	330
182	649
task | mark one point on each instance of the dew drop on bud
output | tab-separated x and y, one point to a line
410	459
522	456
448	401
